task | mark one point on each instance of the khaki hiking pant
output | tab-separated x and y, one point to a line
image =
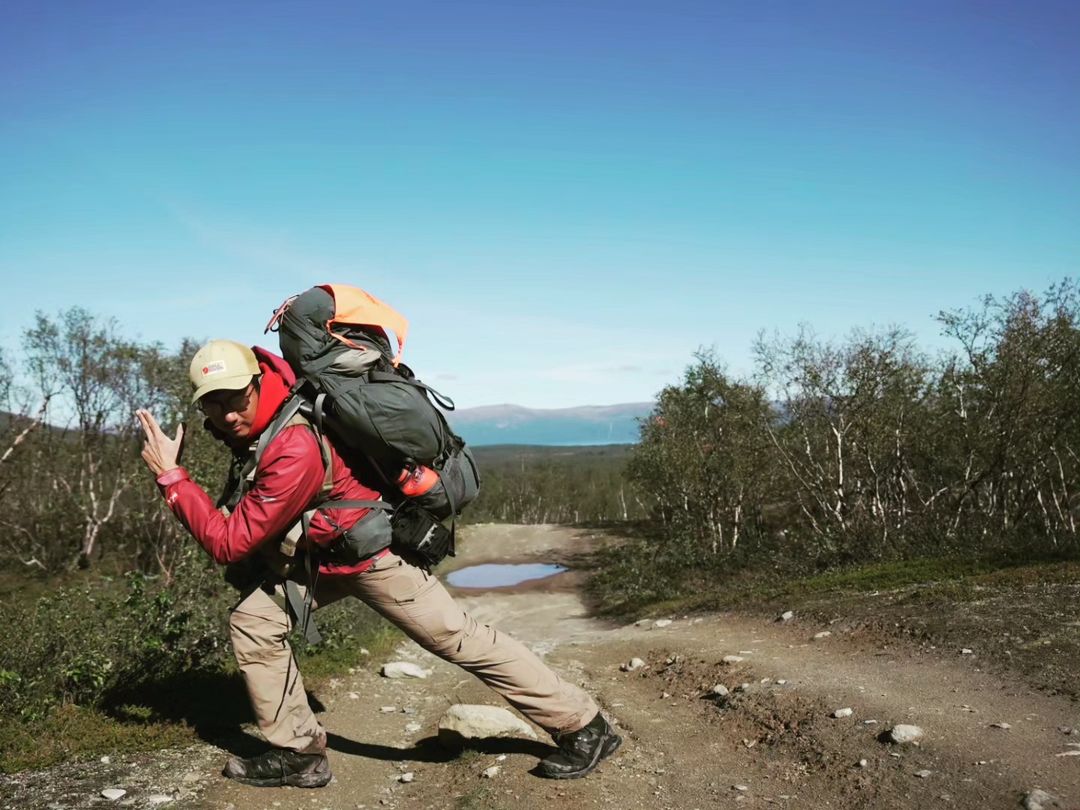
417	602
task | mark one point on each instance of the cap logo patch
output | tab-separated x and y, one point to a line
213	367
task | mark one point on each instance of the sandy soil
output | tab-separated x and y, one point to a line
773	744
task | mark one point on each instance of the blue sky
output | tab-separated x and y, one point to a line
565	198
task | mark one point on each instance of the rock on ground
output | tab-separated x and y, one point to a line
632	664
1039	800
845	712
463	722
903	733
403	669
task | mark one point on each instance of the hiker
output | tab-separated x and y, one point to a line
241	391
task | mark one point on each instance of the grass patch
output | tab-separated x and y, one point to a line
70	732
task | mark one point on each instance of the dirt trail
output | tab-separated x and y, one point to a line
773	745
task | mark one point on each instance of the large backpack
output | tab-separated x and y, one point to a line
335	337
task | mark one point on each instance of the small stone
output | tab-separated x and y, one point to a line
642	622
1072	752
742	687
732	659
632	664
786	616
407	777
720	690
490	773
869	722
765	680
661	622
863	763
746	652
112	794
923	774
403	669
665	695
822	634
904	733
388	709
105	760
501	758
1067	730
966	651
845	712
781	682
741	788
159	798
1005	726
354	695
1039	800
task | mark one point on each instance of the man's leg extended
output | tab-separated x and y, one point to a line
258	627
418	603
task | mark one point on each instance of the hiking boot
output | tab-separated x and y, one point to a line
278	767
581	751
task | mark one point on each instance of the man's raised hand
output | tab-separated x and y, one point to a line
160	453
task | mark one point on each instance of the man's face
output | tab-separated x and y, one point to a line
232	412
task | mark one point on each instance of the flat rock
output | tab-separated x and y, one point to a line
403	669
490	773
661	622
159	798
112	794
904	733
407	777
464	722
388	709
923	774
632	664
732	659
720	690
845	712
822	634
786	616
1005	726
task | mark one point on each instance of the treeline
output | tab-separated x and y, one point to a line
870	448
555	485
72	485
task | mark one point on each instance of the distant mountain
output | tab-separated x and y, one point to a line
513	424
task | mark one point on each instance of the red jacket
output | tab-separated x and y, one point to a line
287	482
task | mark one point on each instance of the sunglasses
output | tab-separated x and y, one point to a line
225	402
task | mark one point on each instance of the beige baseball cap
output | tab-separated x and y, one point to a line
222	365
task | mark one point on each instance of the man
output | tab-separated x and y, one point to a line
241	391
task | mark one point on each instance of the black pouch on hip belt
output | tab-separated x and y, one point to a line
417	534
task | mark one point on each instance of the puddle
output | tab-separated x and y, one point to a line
494	575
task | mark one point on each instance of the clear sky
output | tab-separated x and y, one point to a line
565	198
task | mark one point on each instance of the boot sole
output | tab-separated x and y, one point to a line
610	746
